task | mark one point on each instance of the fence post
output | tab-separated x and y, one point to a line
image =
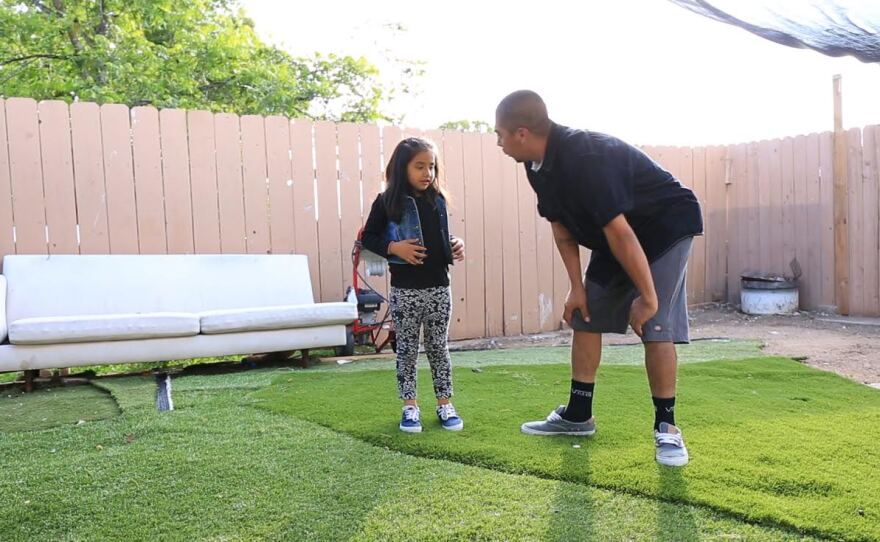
841	228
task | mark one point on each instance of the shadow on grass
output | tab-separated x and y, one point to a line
574	509
675	518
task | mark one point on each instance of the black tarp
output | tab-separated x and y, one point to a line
832	27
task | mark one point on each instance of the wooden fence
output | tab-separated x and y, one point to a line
93	179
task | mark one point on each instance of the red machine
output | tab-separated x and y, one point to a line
368	327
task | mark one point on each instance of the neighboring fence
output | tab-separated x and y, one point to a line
105	179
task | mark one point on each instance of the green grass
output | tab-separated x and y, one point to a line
52	407
771	441
703	350
237	463
219	469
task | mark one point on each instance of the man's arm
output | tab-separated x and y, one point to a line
628	251
568	249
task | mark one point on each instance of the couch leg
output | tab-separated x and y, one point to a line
304	359
29	380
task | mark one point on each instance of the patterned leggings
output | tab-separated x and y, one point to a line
411	309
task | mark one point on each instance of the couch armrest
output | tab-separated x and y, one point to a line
3	327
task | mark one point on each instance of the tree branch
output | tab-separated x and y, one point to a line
42	7
105	22
6	61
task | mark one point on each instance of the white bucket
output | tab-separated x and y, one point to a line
763	295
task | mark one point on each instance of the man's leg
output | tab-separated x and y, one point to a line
576	418
586	352
661	361
668	327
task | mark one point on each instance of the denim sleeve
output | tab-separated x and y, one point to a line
373	236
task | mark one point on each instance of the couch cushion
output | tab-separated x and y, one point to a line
96	284
278	317
102	327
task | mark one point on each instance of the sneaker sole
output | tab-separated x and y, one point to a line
458	427
530	431
410	429
673	461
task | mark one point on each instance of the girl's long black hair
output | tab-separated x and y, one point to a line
397	182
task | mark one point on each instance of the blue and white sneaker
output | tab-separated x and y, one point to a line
411	420
670	447
449	417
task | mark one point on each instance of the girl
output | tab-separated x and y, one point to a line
408	226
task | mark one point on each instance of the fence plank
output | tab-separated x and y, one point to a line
493	235
801	213
371	172
776	227
511	253
7	241
328	211
876	202
203	182
57	177
812	217
349	195
856	221
550	312
148	184
528	262
454	179
787	209
26	175
280	185
752	259
826	190
738	218
765	200
91	192
715	212
305	226
256	212
230	188
693	164
476	279
871	297
175	175
119	179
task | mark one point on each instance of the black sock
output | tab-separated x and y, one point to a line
580	402
664	411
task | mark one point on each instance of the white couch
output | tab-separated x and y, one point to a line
64	311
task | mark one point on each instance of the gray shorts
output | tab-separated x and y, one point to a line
609	305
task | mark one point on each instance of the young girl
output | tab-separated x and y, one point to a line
408	226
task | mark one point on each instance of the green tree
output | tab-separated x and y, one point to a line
467	126
198	54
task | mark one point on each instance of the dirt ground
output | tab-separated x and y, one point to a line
849	346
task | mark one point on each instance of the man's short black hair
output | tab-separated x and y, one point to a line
523	109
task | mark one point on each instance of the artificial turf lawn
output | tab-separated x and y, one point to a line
52	407
219	469
770	440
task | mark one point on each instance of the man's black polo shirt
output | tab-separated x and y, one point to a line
588	178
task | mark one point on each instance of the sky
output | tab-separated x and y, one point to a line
647	71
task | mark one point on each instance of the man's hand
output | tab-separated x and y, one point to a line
457	248
576	300
409	250
640	312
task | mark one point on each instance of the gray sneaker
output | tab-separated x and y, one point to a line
556	425
670	446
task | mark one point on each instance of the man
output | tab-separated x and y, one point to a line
639	221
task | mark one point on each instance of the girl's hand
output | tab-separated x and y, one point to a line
457	248
409	250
